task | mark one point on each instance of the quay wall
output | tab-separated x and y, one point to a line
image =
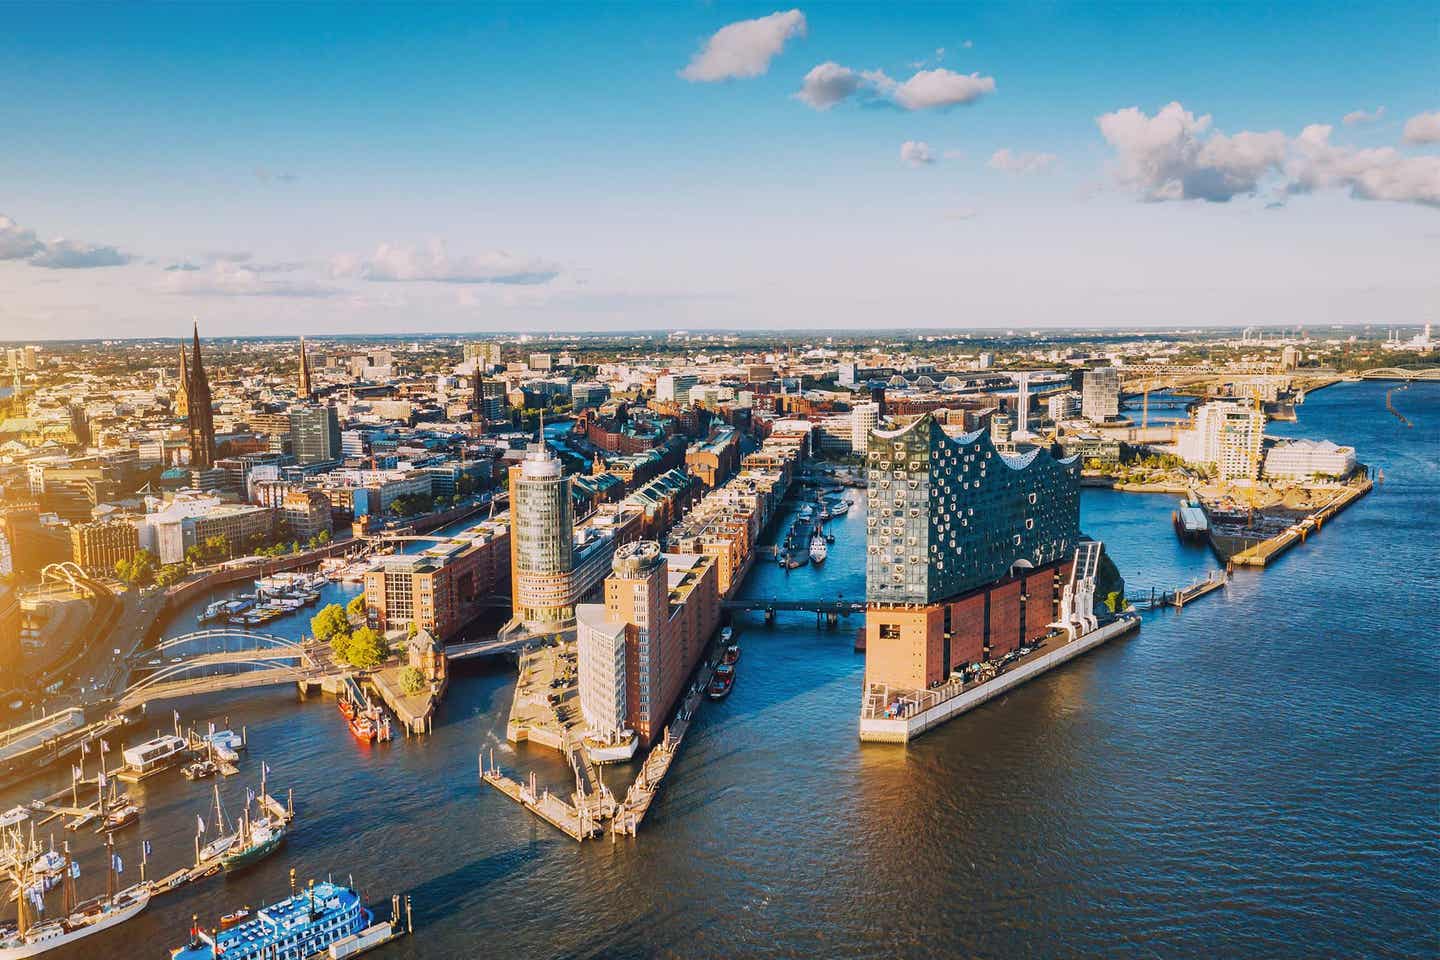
901	730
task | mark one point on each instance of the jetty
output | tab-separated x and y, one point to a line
571	820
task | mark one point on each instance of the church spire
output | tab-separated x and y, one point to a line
306	390
202	417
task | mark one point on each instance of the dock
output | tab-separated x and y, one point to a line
1260	554
1199	588
564	817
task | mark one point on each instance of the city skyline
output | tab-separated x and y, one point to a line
736	166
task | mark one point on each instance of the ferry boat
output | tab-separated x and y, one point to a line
17	814
819	550
722	682
839	508
304	924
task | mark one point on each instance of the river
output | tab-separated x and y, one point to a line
1253	776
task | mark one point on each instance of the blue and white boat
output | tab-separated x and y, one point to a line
302	925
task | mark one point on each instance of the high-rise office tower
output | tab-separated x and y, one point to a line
1022	402
314	434
542	538
202	417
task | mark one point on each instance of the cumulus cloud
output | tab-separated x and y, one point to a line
1175	156
1423	128
17	242
828	84
1378	174
917	153
1011	161
225	279
1359	118
434	264
61	254
744	48
21	243
929	89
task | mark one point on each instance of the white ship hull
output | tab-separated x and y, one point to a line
48	936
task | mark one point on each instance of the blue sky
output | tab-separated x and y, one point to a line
282	168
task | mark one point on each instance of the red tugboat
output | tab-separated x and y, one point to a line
346	708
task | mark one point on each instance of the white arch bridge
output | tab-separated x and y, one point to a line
210	661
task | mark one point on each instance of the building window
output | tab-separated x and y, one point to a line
889	631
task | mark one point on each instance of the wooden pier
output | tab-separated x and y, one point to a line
572	821
1199	588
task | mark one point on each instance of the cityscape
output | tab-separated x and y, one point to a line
556	608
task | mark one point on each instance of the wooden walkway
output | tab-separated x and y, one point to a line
570	820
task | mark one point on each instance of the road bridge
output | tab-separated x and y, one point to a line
242	660
826	611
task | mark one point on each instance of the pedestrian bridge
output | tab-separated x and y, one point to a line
210	661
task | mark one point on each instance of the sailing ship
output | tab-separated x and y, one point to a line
256	839
29	938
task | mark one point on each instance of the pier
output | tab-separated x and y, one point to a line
568	819
1260	554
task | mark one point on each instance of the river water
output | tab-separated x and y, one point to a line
1254	776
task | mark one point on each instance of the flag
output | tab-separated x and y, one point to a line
102	779
177	718
264	768
36	900
249	796
76	773
84	748
199	824
75	869
145	849
212	728
103	747
117	863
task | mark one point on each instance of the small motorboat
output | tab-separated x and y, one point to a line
14	815
722	682
122	816
231	919
200	770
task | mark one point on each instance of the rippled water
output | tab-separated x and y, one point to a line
1255	776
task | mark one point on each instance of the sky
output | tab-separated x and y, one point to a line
537	167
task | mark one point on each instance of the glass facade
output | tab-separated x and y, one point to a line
948	515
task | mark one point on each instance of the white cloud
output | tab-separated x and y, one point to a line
1023	163
226	279
917	153
828	84
932	88
1357	118
1423	128
968	44
744	48
17	242
61	254
1379	174
1174	156
434	264
961	213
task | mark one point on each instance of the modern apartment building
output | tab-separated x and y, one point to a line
638	649
1100	394
1308	459
439	589
1226	435
675	387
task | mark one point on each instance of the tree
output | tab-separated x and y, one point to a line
367	649
320	539
138	570
171	574
329	621
340	646
355	609
412	681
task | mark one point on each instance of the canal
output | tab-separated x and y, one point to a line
1253	776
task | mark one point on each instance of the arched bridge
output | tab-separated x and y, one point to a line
1425	372
224	659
